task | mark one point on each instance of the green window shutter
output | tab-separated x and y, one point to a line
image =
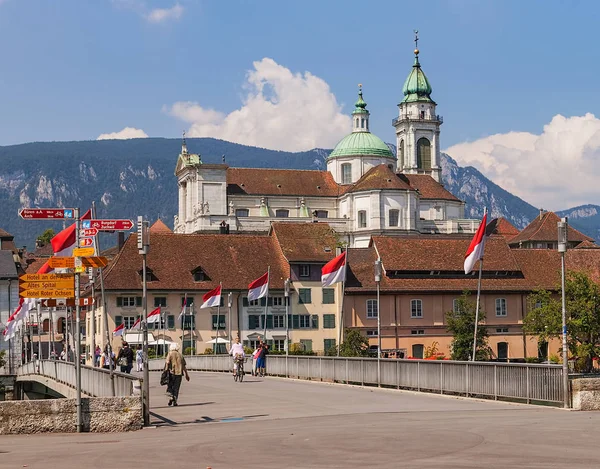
270	301
269	322
214	321
329	321
222	301
263	301
289	321
119	302
171	321
328	296
304	296
295	321
253	322
314	321
118	320
328	344
138	301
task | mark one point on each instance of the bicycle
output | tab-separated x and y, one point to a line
239	373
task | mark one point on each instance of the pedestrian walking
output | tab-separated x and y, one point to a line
106	360
139	358
175	364
254	359
125	358
97	354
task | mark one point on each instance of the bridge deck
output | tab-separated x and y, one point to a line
274	423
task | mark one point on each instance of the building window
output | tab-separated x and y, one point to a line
393	215
501	330
321	213
362	218
129	301
160	324
46	325
456	305
304	296
304	321
171	321
306	345
278	321
279	345
362	123
401	154
372	333
276	301
199	275
347	173
221	325
372	309
282	213
242	212
189	301
500	307
424	154
129	321
160	301
417	332
328	344
189	345
189	322
328	296
502	350
304	270
416	308
329	321
357	122
417	351
253	322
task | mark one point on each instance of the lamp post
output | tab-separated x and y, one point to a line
143	244
286	293
378	271
563	227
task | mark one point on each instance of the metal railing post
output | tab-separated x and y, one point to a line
467	379
418	376
441	377
347	380
527	378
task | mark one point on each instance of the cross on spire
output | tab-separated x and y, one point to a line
416	39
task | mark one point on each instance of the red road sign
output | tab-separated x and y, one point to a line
66	302
108	225
89	232
86	242
45	213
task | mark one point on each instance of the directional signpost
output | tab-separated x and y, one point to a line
54	302
88	232
86	242
108	225
69	262
84	252
47	293
47	286
46	213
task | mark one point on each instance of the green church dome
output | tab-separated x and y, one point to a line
361	143
416	87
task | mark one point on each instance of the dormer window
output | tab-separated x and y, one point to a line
150	277
199	275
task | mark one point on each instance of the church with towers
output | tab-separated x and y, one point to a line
366	190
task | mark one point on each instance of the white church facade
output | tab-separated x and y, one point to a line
365	191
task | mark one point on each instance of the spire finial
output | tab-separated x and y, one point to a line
183	145
416	42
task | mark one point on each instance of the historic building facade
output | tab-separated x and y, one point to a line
367	189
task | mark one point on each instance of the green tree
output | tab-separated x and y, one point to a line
461	323
544	319
2	358
45	237
354	345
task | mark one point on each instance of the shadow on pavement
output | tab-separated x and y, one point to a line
183	405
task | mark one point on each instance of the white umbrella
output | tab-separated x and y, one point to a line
218	340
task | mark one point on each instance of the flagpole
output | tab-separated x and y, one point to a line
477	302
192	319
218	318
267	302
229	304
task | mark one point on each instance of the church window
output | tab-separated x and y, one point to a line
357	122
242	212
282	213
346	173
401	154
393	217
362	123
320	213
362	218
424	154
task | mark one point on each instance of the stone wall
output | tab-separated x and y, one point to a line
100	414
586	393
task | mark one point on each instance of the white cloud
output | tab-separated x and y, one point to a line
158	15
555	170
126	133
281	110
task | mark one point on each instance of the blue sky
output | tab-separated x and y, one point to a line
75	69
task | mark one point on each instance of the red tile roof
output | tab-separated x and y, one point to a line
506	228
380	177
234	260
306	242
254	181
587	245
543	228
428	187
5	234
160	227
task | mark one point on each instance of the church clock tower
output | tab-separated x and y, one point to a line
418	126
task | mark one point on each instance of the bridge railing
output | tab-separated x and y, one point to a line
95	382
527	382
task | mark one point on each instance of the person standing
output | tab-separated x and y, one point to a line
261	362
139	358
255	359
125	358
175	363
106	359
97	354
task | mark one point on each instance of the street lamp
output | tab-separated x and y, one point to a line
378	271
563	227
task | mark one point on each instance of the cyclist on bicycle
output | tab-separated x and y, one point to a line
237	352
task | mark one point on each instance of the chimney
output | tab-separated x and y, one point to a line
120	239
542	211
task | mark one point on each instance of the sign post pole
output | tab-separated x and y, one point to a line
77	333
143	247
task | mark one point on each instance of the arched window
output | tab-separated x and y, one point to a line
362	123
46	325
61	326
424	154
347	173
401	154
357	122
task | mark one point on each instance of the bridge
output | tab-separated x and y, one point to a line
276	422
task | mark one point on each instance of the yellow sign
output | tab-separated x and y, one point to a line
47	293
69	262
45	277
84	252
80	270
96	262
61	262
46	285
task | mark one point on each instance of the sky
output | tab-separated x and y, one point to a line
515	81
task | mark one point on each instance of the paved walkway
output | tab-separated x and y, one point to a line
277	423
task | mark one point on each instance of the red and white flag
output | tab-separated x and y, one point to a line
259	288
154	316
64	242
136	325
119	330
334	271
212	298
183	306
477	246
